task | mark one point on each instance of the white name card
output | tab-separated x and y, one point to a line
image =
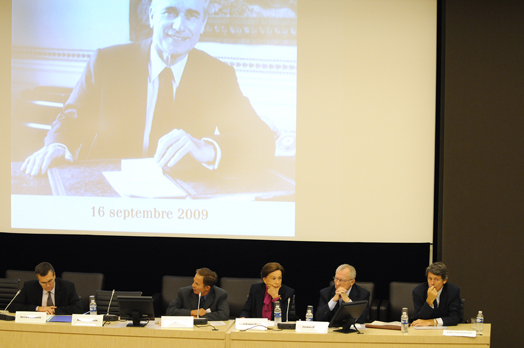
167	322
31	317
243	324
460	333
312	326
87	320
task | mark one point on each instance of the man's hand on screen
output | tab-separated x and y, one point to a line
173	146
39	162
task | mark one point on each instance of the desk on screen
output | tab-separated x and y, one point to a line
86	178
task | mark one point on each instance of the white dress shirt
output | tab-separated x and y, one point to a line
332	303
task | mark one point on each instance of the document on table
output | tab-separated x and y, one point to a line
217	323
142	178
430	327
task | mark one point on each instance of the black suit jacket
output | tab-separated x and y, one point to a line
187	300
357	294
67	300
109	102
448	307
255	301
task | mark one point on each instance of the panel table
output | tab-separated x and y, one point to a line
369	338
115	334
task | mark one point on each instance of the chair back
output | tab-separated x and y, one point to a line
86	284
237	293
369	286
24	276
462	319
103	297
170	286
8	289
401	295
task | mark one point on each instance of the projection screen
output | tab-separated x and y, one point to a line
320	114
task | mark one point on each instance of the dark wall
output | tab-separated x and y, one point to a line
483	209
138	263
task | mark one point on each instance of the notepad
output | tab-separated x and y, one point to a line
59	319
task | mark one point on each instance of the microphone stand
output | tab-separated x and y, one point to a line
110	317
198	320
6	316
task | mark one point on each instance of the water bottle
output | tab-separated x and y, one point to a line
309	313
278	313
404	321
92	305
480	323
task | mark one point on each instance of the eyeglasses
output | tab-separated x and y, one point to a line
49	282
341	280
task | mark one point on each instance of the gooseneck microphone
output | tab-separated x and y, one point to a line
107	316
198	304
287	325
6	316
198	320
288	305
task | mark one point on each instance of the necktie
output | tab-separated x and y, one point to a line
163	120
202	300
49	299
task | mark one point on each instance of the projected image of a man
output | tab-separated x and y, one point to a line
176	30
159	98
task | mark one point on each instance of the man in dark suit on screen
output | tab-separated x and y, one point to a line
213	300
159	98
437	302
47	294
344	290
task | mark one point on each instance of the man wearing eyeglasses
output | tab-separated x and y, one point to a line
47	294
343	291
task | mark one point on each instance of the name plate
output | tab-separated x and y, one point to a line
243	324
87	320
31	317
460	333
168	322
312	326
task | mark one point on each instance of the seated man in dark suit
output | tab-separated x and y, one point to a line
47	294
344	290
159	98
437	302
213	303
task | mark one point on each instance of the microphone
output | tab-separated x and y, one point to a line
110	317
198	320
198	304
288	305
6	316
287	325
